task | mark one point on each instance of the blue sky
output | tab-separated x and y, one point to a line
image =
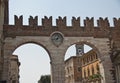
54	8
69	8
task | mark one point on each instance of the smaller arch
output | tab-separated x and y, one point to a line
86	43
92	57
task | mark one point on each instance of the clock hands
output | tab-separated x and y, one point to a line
57	39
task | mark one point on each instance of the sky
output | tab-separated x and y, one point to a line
30	70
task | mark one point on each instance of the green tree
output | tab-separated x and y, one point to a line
94	77
45	79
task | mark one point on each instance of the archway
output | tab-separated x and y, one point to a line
82	61
71	51
34	62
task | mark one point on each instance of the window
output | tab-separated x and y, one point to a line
98	69
96	56
84	73
87	59
88	71
68	70
79	69
92	58
83	61
92	70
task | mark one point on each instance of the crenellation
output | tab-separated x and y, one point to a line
116	22
61	22
75	22
88	27
103	28
103	23
18	20
33	22
47	22
89	22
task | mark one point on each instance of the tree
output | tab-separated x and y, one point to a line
94	77
45	79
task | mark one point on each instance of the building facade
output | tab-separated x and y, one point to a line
73	70
83	68
14	69
90	68
116	62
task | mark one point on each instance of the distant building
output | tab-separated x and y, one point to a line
73	66
83	69
14	69
116	62
90	68
73	69
79	49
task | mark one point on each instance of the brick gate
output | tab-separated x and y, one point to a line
56	39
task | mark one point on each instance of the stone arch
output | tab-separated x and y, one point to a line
12	43
93	45
40	58
34	42
87	43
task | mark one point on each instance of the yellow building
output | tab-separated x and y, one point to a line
83	69
90	67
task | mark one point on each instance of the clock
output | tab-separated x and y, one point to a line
57	39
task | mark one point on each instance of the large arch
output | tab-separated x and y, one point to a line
34	42
33	65
11	44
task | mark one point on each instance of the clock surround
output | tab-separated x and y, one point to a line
57	38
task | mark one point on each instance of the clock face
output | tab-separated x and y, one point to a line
57	39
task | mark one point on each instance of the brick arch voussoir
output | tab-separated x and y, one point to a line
87	43
34	42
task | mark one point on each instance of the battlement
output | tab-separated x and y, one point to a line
103	28
47	21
